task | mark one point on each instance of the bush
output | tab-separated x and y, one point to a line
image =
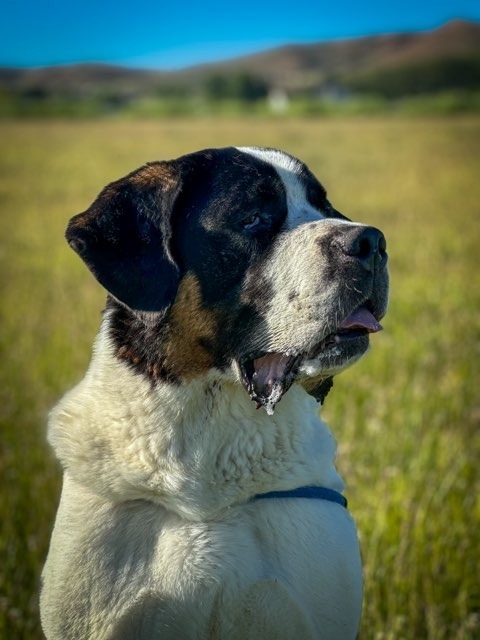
242	86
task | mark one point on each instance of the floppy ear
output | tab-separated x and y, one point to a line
124	237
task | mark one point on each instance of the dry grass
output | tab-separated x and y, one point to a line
406	418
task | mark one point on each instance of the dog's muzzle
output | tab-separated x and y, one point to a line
357	258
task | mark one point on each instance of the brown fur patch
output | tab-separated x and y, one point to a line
179	346
159	175
192	328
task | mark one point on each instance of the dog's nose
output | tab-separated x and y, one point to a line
367	244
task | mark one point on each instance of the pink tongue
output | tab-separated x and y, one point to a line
270	367
270	379
361	319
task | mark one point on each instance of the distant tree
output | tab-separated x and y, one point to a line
216	87
247	87
34	93
171	91
242	86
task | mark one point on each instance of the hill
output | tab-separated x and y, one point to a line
390	65
297	67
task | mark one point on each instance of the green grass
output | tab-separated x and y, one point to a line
406	418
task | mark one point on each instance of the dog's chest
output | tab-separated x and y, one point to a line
308	546
137	555
117	551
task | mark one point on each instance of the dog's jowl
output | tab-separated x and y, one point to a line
200	496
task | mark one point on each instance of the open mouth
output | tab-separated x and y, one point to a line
268	377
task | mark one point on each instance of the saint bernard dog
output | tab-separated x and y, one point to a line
200	497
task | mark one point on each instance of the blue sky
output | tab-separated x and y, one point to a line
173	34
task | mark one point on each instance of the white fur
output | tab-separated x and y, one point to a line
155	531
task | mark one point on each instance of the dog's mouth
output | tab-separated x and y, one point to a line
267	377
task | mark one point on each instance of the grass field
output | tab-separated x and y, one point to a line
406	418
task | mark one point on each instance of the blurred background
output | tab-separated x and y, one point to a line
265	59
382	101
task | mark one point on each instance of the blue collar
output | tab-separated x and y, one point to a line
317	493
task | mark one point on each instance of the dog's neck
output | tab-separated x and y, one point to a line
196	448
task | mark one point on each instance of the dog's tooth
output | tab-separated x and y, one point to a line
270	408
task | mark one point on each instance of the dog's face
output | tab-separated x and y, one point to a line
234	259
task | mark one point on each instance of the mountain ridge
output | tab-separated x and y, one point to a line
290	68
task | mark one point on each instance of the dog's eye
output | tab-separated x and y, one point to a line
251	222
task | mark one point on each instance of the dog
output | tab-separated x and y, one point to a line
200	497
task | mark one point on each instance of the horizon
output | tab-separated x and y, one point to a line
54	35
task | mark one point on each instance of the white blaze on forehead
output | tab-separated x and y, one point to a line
289	170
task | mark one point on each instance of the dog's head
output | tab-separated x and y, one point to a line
234	259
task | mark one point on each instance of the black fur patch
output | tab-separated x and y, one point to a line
224	189
123	237
213	246
320	390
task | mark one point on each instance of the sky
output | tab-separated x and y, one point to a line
170	35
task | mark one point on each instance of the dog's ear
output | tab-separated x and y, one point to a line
124	237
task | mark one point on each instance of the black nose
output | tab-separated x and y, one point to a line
368	244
